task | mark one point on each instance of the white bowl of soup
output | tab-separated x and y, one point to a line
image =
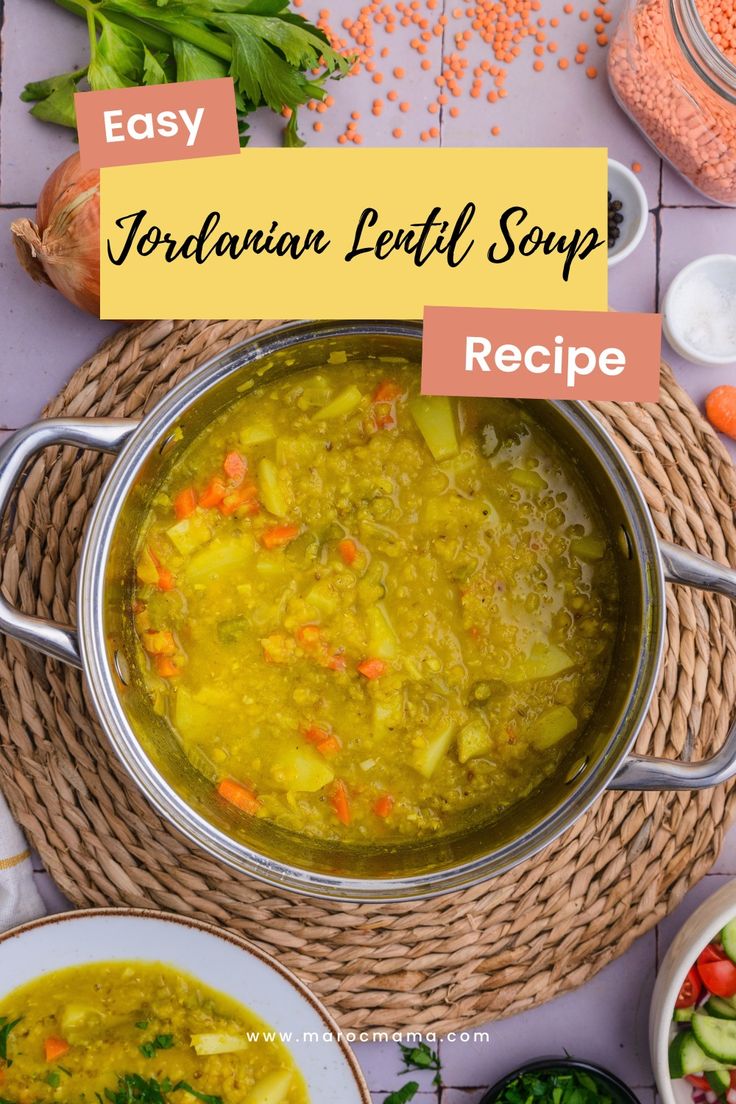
128	1005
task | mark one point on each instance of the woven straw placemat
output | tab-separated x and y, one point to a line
443	964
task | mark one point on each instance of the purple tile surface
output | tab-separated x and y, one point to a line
43	340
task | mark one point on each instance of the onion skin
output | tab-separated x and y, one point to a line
62	248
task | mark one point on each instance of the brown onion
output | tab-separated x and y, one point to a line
62	248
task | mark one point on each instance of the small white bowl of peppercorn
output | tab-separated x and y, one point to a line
628	212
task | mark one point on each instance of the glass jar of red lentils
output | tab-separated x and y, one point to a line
672	67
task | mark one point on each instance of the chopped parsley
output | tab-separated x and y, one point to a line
6	1026
554	1086
421	1057
401	1096
134	1089
160	1042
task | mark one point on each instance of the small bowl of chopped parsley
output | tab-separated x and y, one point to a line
559	1081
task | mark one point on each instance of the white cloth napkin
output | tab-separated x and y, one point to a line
19	898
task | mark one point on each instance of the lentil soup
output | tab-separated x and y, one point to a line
124	1031
372	617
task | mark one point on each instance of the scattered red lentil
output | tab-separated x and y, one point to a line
499	27
397	132
591	72
495	131
635	167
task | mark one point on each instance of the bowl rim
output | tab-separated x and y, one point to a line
642	213
676	340
555	1063
690	939
154	427
226	936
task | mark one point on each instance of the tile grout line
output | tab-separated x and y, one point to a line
442	62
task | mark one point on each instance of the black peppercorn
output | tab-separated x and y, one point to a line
615	218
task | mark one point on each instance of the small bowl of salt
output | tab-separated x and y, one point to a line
699	310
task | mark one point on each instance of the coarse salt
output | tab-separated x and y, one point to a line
705	315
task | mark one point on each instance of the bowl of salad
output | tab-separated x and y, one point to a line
692	1024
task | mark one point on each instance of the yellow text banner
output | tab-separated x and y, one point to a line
359	233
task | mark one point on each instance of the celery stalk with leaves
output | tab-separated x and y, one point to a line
270	51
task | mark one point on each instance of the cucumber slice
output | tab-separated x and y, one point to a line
719	1081
683	1015
686	1056
716	1037
721	1008
728	939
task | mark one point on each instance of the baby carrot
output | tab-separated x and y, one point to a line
239	796
185	503
340	802
329	746
372	668
235	466
348	551
279	535
165	666
213	493
315	735
383	805
309	635
241	496
55	1048
387	391
720	406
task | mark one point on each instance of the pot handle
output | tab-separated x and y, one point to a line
103	434
645	772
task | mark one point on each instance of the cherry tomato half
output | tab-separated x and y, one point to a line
719	976
712	953
690	990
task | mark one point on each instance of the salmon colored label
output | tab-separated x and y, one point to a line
161	122
539	354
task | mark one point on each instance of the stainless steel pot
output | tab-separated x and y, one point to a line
102	645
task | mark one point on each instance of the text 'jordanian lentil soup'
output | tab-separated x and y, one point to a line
370	616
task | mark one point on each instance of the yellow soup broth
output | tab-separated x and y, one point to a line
134	1031
369	615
